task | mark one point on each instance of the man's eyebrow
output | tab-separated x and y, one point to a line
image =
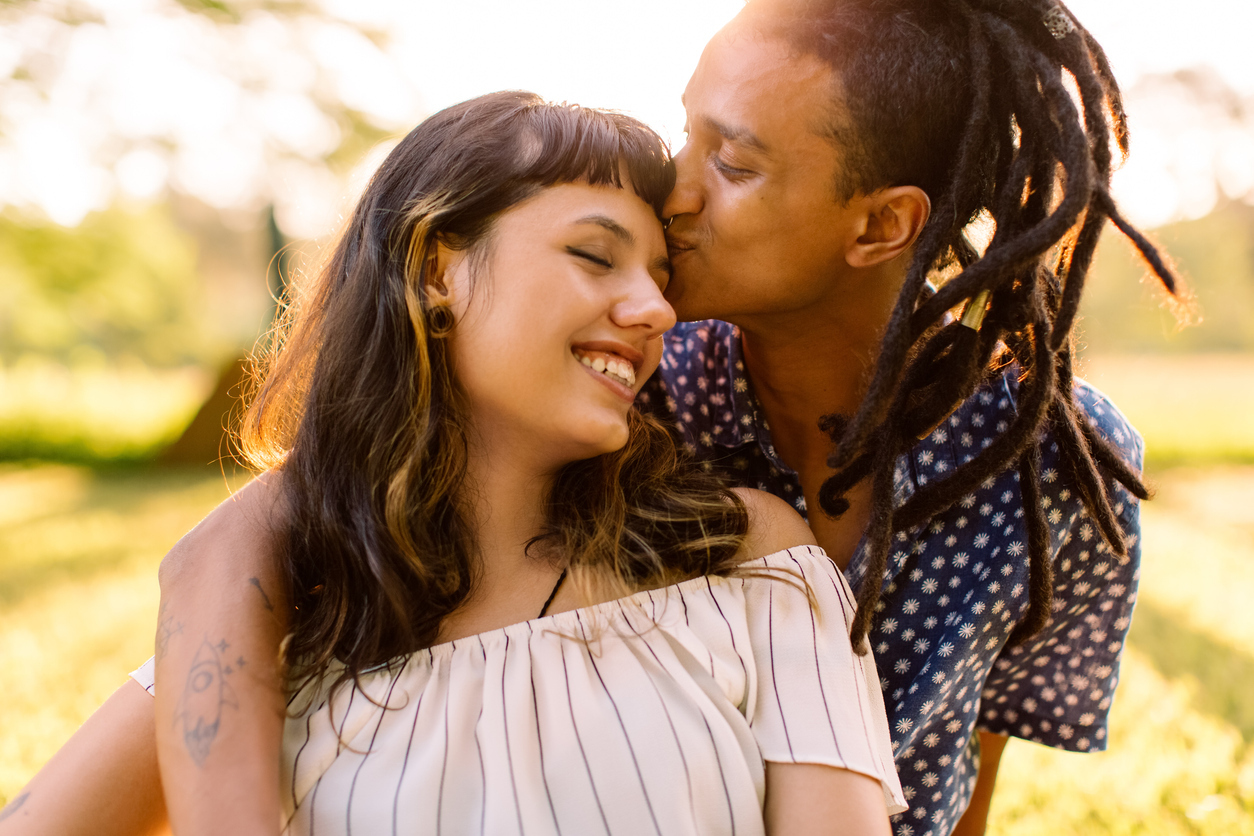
606	222
733	133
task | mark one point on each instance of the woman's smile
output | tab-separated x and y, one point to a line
611	379
612	363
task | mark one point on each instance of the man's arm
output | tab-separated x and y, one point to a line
102	782
219	700
975	819
1095	592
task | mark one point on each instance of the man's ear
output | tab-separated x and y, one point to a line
892	220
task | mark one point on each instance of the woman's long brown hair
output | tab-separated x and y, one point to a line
359	412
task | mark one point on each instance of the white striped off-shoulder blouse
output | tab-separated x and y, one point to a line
653	714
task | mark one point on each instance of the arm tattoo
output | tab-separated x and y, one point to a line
13	806
207	692
167	628
264	597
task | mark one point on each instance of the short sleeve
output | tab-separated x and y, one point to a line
145	675
817	701
1057	688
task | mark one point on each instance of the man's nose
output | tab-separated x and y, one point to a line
685	198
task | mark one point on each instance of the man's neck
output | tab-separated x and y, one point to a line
814	362
811	363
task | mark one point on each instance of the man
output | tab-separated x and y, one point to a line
837	151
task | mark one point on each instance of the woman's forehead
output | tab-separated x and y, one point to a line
617	209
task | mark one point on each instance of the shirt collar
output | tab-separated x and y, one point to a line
748	420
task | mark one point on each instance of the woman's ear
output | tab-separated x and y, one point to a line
440	272
892	221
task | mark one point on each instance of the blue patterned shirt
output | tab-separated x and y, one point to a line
956	587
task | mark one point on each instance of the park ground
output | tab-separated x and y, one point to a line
80	545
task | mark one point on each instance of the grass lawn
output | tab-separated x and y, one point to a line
79	549
1192	409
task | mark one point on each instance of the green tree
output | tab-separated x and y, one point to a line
121	284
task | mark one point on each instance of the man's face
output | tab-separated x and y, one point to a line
757	227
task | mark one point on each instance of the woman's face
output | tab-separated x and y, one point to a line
561	327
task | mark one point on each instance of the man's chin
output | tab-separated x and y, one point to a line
686	310
686	297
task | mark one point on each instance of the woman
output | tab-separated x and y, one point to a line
513	605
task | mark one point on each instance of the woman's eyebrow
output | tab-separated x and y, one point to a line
606	222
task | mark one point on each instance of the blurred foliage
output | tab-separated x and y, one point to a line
234	11
114	414
240	104
1215	255
122	284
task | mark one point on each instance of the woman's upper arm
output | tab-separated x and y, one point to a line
819	714
806	799
219	698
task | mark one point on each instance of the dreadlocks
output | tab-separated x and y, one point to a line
1003	112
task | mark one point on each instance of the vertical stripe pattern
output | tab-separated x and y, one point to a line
654	714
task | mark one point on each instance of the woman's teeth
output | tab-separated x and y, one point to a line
611	366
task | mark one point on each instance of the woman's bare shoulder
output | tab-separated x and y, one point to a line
774	525
245	528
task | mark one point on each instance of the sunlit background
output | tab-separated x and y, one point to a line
164	162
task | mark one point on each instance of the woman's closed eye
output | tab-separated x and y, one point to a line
600	261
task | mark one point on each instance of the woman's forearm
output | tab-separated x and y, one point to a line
219	705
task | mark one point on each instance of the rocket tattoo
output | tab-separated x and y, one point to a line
204	697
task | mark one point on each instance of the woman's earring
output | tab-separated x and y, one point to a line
439	321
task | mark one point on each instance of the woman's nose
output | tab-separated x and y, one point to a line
644	306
